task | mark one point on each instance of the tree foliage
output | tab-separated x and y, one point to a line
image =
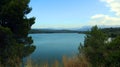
14	28
112	53
112	32
99	52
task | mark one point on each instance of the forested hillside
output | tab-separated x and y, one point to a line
112	32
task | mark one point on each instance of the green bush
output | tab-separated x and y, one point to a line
99	52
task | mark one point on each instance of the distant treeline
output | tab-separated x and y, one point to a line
34	31
112	32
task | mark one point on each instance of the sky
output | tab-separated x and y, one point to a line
74	13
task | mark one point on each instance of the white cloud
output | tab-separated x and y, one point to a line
114	5
97	16
101	19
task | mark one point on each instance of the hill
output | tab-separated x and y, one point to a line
33	31
112	32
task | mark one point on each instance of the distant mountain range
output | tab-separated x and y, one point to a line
72	30
87	28
54	31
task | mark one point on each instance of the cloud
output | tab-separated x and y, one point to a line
101	19
98	16
114	5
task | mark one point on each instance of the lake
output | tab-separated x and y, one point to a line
51	47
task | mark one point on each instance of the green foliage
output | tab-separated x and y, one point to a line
8	46
112	32
14	28
112	53
13	15
98	52
93	44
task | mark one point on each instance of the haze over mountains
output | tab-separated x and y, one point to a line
68	30
83	28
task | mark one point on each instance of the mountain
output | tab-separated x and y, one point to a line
70	30
54	31
88	28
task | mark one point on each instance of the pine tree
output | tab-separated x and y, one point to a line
14	28
98	51
94	46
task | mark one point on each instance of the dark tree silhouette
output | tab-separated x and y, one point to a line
14	27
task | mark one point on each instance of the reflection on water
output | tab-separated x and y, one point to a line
50	47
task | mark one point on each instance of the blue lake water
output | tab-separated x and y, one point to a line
51	47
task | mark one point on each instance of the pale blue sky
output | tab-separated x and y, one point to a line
66	13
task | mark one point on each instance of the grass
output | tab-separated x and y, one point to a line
11	62
66	62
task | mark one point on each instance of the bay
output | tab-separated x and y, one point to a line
51	47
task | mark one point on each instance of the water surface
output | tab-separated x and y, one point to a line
50	47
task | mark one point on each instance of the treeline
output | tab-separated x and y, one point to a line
112	32
34	31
